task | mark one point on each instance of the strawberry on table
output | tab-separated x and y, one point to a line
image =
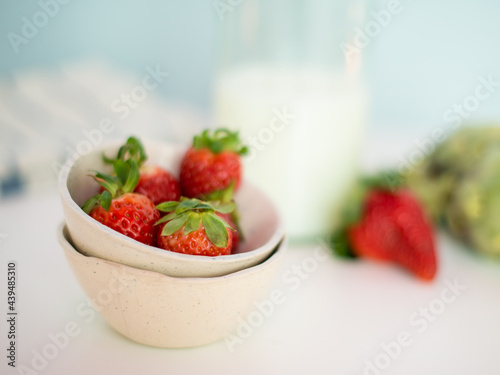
212	163
154	182
388	225
117	207
194	227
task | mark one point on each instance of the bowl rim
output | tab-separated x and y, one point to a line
277	236
274	256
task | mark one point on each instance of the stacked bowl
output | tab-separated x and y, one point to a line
158	297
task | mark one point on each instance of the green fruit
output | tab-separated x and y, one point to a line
432	189
441	172
473	213
460	153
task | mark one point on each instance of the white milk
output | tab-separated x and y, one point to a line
304	129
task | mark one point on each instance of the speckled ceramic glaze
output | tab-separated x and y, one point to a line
163	311
259	220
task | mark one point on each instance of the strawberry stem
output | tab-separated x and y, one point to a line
219	141
125	181
190	213
339	243
132	149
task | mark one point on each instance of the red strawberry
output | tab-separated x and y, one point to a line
194	243
131	214
212	163
194	227
158	184
390	226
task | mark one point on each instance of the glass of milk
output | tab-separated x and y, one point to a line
285	81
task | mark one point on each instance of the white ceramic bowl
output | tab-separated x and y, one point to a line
169	312
260	222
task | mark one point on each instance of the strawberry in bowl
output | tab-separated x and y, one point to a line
212	163
195	227
155	182
260	220
118	208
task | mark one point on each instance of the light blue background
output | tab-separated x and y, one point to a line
428	58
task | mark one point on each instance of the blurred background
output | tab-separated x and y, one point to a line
154	67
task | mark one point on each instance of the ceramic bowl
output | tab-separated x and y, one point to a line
260	221
153	309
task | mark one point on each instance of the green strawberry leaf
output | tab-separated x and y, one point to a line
107	160
219	141
201	141
174	225
132	149
122	170
225	195
217	146
133	176
243	151
186	205
106	199
204	206
354	204
193	223
216	231
339	243
225	208
168	217
224	222
90	203
137	150
110	183
167	206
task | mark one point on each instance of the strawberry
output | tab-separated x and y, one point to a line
131	214
194	227
156	183
391	226
212	163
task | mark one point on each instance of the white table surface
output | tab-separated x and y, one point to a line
334	320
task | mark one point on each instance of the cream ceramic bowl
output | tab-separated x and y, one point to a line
163	311
260	222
